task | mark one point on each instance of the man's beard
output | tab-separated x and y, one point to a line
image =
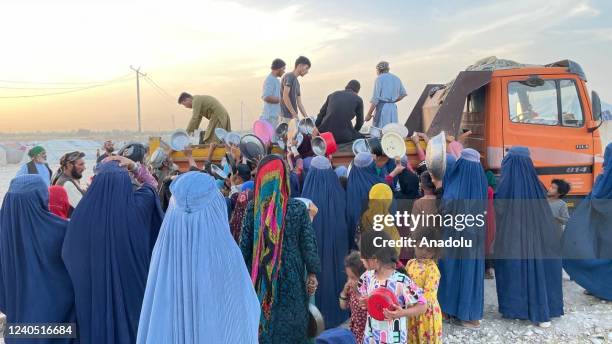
76	175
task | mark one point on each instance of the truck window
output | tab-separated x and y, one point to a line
533	104
571	110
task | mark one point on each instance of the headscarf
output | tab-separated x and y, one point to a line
134	151
270	207
380	201
34	284
323	187
341	171
361	179
250	185
198	284
35	151
107	250
58	201
588	236
461	291
527	243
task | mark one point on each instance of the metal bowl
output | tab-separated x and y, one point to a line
396	128
232	139
179	140
376	132
220	133
319	146
393	145
436	156
158	157
316	324
360	146
218	171
252	147
306	126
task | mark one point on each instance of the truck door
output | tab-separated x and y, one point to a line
547	114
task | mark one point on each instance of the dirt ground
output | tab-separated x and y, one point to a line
586	320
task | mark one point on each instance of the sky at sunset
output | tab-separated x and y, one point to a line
225	49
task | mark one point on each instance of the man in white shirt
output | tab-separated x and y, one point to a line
272	93
69	176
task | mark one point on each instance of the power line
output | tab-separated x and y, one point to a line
72	90
159	87
62	83
162	95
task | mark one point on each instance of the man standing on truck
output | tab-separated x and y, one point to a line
291	92
210	108
388	90
339	110
272	93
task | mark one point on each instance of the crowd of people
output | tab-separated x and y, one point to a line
140	254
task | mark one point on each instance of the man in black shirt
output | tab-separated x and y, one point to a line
339	110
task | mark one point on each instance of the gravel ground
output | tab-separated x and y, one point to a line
586	320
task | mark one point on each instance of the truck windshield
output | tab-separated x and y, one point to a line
553	102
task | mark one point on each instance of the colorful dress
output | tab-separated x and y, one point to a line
427	327
358	315
408	294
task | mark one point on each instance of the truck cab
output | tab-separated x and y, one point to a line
545	108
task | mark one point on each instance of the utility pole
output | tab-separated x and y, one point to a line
138	74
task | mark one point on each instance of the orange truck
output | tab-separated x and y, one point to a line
545	108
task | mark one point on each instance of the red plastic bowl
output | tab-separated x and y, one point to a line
380	299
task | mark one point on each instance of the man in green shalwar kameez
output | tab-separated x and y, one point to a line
210	108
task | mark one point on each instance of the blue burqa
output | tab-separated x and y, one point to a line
323	188
587	241
198	286
107	250
360	181
527	265
461	290
34	284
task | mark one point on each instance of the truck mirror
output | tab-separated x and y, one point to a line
596	104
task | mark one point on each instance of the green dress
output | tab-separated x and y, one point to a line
289	313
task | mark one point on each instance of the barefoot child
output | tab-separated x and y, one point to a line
427	327
380	263
349	297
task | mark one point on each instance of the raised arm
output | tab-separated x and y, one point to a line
308	245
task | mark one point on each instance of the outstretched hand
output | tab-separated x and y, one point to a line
123	161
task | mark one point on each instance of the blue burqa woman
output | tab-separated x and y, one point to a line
360	180
34	284
527	242
198	290
587	241
462	269
107	250
324	189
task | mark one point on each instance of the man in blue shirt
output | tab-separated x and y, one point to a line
37	164
388	90
272	93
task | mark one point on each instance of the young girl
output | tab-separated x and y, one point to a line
427	327
380	263
350	298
